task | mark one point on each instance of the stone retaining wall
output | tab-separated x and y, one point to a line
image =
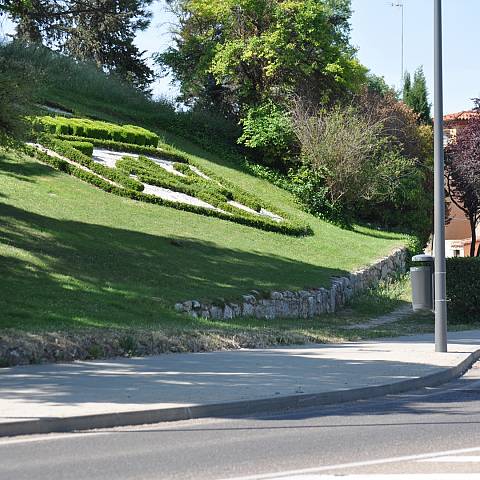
304	303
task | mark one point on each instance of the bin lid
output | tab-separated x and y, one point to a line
422	258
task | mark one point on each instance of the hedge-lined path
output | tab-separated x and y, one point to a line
399	314
52	153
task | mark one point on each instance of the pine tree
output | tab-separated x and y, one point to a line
105	34
407	87
101	31
415	95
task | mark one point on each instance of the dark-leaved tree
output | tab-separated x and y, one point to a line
105	34
101	31
462	174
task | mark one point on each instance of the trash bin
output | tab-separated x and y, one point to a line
421	275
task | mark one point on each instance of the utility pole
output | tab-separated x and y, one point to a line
401	6
439	189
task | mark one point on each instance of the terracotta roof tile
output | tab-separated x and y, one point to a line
464	115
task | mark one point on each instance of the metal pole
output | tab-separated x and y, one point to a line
439	191
403	77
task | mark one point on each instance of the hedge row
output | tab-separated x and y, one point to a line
68	151
84	127
168	152
165	152
463	288
191	184
262	223
85	147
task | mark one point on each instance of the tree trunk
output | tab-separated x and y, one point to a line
473	229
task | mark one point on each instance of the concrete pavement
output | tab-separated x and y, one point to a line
107	393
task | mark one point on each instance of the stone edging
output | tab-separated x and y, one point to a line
304	303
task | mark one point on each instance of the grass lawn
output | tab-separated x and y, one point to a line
72	256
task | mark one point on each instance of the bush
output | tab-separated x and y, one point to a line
269	130
164	151
18	81
117	176
463	289
356	169
84	127
85	147
287	227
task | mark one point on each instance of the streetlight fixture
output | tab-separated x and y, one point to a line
401	6
440	304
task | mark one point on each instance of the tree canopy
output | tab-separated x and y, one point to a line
101	31
462	173
415	95
244	53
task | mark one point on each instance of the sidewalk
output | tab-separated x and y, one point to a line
107	393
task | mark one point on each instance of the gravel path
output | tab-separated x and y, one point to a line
395	316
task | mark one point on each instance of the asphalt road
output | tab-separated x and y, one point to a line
432	431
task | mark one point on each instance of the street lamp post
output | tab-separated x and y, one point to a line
439	190
402	76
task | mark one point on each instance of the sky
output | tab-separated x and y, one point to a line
376	33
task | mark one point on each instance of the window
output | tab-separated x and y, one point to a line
456	253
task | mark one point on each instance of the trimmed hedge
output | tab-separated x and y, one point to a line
65	149
165	152
149	172
262	223
84	127
463	288
85	147
217	191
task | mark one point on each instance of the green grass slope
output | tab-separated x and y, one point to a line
74	256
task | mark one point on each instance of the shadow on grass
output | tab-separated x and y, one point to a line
92	275
23	171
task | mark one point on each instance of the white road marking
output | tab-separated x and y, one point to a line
395	476
46	437
341	466
454	459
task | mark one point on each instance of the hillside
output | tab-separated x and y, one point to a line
76	256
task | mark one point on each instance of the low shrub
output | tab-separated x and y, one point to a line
287	227
463	289
117	176
84	127
164	151
192	184
85	147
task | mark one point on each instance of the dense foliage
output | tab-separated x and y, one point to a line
233	55
462	174
415	95
84	127
369	161
18	81
130	174
100	31
463	289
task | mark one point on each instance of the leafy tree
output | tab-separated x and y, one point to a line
101	31
245	53
376	84
462	174
407	87
370	161
415	95
18	83
268	128
105	34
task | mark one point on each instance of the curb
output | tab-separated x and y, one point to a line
229	409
